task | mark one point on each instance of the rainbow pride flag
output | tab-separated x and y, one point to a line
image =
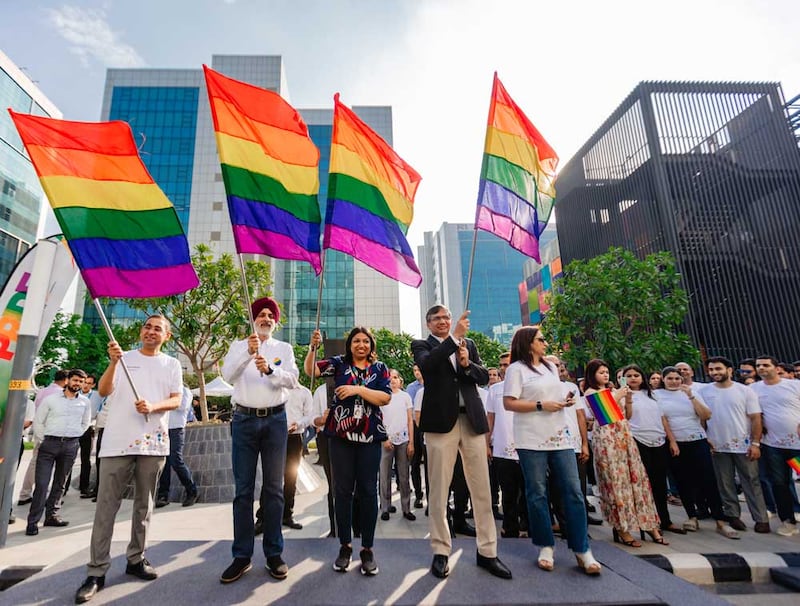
370	199
604	407
122	230
794	463
517	190
270	168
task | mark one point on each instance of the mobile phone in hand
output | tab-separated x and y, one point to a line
623	382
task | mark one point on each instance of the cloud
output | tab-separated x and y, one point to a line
91	38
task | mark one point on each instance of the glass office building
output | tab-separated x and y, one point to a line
170	117
710	172
22	200
494	294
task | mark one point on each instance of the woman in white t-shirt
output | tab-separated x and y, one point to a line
534	393
691	464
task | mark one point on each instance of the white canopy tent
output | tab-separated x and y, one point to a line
217	387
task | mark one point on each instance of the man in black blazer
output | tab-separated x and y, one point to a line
453	420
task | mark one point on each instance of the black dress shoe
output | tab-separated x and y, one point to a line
90	587
418	504
24	501
32	530
88	495
439	567
161	502
258	528
494	566
409	516
189	500
392	509
142	570
592	521
385	516
235	571
465	528
290	523
55	521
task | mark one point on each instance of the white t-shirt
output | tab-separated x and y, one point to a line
645	422
483	393
780	404
503	432
729	426
538	430
679	410
418	400
395	417
572	413
126	431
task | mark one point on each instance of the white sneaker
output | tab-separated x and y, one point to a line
787	529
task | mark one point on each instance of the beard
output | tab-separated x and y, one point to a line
74	390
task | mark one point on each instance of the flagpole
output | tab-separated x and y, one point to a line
471	264
110	334
246	292
319	313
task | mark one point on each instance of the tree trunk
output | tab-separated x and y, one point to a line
201	383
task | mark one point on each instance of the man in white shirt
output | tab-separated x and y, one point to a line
177	437
135	445
58	384
58	424
263	371
734	433
298	417
86	443
780	408
399	423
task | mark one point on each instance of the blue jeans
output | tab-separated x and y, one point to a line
175	461
252	436
354	466
564	469
780	476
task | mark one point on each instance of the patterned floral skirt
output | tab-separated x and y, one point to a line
626	498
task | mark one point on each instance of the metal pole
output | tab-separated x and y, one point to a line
471	264
246	293
110	334
319	313
21	371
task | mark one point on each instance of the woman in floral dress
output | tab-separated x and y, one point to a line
626	499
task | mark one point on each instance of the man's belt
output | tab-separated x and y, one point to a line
62	438
260	412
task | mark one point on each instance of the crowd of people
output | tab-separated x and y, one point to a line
518	443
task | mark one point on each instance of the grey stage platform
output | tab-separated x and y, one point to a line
189	574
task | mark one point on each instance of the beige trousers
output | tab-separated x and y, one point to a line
442	450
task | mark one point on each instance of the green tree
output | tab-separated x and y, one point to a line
71	343
394	350
622	309
206	319
488	348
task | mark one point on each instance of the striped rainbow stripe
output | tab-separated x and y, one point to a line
517	190
270	170
370	199
604	407
122	230
794	463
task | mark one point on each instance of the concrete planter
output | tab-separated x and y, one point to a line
207	453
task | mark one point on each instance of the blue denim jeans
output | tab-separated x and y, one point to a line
564	469
780	476
177	438
253	436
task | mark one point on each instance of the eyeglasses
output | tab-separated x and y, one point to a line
540	339
439	318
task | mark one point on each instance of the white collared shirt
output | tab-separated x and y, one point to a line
61	416
299	407
250	387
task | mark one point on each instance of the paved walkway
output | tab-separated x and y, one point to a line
213	523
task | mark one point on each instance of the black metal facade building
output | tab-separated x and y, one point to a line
710	172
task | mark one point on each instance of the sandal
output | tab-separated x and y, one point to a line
631	542
588	564
659	539
692	525
727	532
545	561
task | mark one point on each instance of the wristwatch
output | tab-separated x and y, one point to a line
539	405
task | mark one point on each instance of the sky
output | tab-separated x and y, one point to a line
567	64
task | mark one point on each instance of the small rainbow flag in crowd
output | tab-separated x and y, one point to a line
517	190
370	199
270	168
122	229
604	407
795	464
